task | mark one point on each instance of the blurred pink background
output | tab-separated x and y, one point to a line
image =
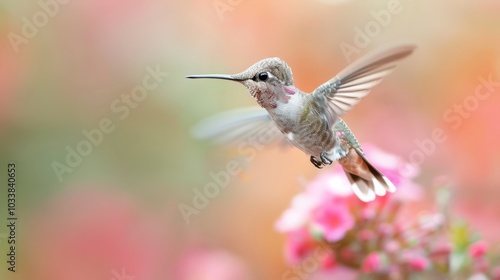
117	213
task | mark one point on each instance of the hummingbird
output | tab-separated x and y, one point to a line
311	121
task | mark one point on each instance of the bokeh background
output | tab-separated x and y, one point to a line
116	214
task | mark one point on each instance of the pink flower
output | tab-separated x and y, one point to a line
329	261
368	213
327	186
418	263
299	245
366	235
481	265
441	252
385	229
442	249
431	222
495	273
334	183
347	253
329	209
299	214
211	264
339	272
333	220
371	263
392	246
478	276
95	234
478	249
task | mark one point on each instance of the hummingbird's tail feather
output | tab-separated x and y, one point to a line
367	182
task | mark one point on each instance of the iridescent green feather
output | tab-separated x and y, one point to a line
347	135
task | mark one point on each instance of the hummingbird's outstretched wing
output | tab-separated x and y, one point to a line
356	80
252	124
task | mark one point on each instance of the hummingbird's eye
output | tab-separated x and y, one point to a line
263	76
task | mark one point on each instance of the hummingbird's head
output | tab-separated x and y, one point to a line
269	81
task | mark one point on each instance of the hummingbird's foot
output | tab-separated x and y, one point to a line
325	158
337	153
319	164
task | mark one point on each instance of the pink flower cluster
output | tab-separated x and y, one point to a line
370	238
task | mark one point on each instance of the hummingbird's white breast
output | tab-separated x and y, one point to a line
288	116
287	111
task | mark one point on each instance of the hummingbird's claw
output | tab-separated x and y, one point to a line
316	162
325	159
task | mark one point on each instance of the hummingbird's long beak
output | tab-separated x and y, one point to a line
215	76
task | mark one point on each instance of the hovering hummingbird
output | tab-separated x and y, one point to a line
311	122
